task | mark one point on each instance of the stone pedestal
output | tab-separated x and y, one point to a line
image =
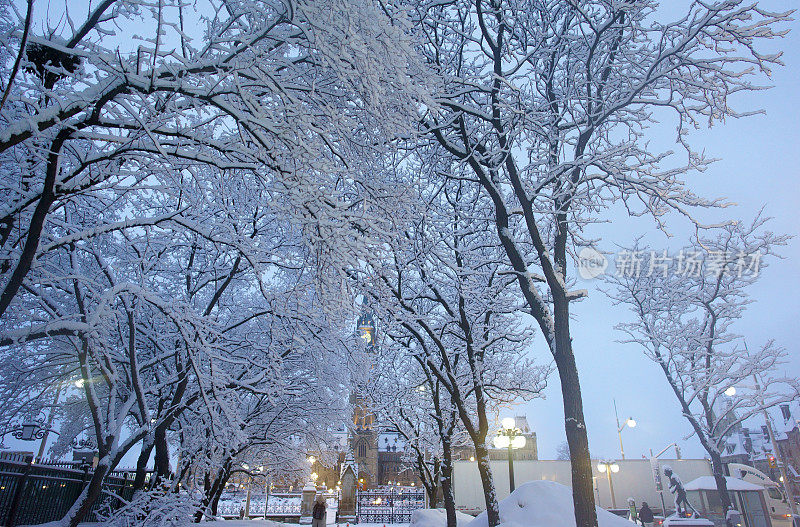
307	503
347	498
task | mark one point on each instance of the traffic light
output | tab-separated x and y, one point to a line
772	462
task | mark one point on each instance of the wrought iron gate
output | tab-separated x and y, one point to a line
393	505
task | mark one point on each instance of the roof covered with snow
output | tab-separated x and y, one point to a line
390	442
709	483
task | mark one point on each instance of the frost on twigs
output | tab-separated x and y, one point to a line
687	319
156	508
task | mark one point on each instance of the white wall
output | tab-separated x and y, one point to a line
634	479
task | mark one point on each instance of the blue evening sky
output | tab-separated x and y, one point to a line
758	167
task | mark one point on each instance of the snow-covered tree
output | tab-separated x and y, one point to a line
448	294
547	103
411	402
685	309
178	208
288	90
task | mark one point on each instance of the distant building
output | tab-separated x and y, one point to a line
752	446
530	451
379	457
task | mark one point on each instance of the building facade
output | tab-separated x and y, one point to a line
529	452
752	445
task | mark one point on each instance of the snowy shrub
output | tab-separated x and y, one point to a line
157	508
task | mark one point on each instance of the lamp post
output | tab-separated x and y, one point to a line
630	423
509	437
608	467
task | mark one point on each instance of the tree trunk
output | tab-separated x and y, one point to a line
490	496
447	483
161	462
574	423
218	494
719	476
429	482
36	225
141	464
212	491
80	509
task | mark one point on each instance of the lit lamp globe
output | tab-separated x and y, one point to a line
518	442
731	391
631	422
508	423
614	468
501	441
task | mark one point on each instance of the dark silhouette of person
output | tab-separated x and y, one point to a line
645	514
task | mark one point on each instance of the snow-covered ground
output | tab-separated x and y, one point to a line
534	504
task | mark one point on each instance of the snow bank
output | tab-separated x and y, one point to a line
544	504
437	518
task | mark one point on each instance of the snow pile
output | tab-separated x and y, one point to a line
544	504
437	518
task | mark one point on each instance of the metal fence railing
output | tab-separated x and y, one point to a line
394	505
39	493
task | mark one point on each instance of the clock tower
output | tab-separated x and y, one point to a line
364	437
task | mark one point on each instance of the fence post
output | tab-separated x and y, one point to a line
85	475
18	492
122	489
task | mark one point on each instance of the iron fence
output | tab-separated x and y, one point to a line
39	493
393	505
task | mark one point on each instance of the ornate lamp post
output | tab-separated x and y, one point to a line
510	437
29	430
608	467
630	422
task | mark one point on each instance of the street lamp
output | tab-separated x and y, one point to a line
630	423
608	467
509	437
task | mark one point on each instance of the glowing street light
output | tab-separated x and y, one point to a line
609	467
731	391
509	437
630	423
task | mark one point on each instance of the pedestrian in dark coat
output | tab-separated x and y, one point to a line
645	514
319	512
